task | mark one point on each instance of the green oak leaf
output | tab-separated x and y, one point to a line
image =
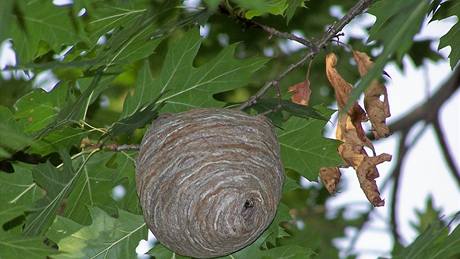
58	139
93	188
290	184
58	185
39	108
159	251
13	246
142	94
304	149
6	7
426	216
17	193
12	136
39	23
13	89
106	237
261	7
292	7
275	231
183	86
452	37
124	164
104	16
288	252
392	17
434	242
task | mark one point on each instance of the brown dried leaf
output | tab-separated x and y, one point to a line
353	153
367	172
352	149
301	92
377	110
342	90
351	132
330	177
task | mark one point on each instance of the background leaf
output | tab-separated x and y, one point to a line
12	137
58	185
35	18
18	192
106	237
452	37
435	242
304	149
180	83
16	246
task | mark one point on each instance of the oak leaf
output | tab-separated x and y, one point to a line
300	92
377	110
342	90
367	172
351	133
353	153
330	177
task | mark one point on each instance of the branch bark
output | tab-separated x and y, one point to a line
428	111
443	145
396	175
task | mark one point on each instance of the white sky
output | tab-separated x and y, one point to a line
424	171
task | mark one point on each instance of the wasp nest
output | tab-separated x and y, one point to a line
209	180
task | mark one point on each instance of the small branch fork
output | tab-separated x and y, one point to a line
314	47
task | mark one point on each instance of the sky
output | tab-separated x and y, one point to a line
424	172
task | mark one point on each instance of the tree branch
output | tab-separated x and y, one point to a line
396	175
428	111
224	9
445	150
357	9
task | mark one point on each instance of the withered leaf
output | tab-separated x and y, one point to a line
342	90
367	172
377	110
330	177
300	92
353	153
351	133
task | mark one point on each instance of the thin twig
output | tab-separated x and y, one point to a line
445	150
253	99
314	49
109	147
224	9
121	148
396	175
285	35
